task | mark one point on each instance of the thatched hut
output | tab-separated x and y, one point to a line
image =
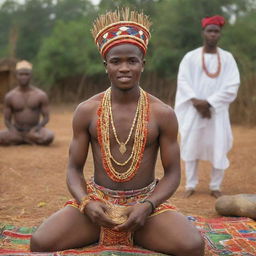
7	76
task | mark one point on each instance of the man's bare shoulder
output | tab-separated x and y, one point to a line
11	92
88	107
164	116
39	91
159	108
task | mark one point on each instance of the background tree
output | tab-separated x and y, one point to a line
8	26
68	54
34	23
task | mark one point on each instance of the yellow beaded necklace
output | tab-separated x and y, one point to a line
139	123
122	145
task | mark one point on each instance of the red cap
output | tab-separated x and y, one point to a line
215	20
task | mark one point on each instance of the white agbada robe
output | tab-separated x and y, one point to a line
203	138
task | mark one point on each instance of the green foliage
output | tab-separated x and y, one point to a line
240	40
33	28
68	52
67	10
7	11
34	20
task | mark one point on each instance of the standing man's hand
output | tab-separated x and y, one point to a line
203	107
206	113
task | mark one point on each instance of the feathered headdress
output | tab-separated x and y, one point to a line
120	27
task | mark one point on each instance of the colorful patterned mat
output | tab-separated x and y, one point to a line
228	236
223	236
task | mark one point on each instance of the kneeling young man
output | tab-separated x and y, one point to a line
125	127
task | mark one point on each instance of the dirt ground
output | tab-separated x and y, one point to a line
32	178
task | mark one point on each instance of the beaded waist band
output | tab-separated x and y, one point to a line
123	193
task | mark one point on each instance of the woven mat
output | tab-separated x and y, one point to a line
228	236
223	236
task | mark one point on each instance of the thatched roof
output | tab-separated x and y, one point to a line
7	75
7	64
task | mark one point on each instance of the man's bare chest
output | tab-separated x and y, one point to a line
22	102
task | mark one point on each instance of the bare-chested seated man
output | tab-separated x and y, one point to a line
25	112
125	126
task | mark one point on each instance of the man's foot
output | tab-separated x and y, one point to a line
216	193
189	192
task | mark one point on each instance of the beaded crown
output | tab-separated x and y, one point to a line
120	27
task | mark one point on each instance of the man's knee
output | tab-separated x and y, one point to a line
192	247
7	142
45	141
39	244
49	139
3	142
35	245
3	139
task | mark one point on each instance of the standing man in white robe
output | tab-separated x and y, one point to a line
208	82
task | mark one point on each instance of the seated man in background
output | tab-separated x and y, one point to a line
23	108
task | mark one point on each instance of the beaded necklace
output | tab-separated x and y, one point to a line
212	75
122	145
105	121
